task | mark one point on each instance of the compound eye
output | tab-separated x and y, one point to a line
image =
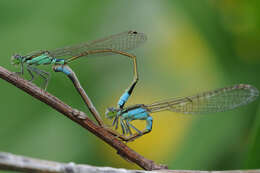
112	109
15	59
16	56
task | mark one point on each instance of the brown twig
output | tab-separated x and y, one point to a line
80	118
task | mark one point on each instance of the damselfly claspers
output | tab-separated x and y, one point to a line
219	100
114	44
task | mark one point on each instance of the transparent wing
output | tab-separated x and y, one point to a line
212	101
33	53
123	42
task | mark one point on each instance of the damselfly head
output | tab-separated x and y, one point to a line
111	113
16	59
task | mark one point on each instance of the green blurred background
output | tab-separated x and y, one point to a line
192	46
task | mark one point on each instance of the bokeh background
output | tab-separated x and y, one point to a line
192	46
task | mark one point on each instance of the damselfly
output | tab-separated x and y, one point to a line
114	44
219	100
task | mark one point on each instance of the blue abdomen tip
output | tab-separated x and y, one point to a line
63	69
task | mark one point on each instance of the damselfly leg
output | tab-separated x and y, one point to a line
43	74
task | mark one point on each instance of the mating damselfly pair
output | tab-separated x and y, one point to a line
212	101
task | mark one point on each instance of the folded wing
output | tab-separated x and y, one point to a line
124	41
212	101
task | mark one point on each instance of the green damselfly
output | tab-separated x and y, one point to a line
114	44
219	100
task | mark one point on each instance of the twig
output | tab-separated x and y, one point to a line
80	118
13	162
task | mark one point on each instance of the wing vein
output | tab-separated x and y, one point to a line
219	100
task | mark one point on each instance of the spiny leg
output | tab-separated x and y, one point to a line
130	138
40	73
20	73
46	81
22	70
149	123
134	136
127	128
123	127
138	131
30	72
47	78
115	122
128	125
124	133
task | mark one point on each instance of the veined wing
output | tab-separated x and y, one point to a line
33	53
122	42
212	101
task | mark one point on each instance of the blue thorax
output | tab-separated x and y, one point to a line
134	114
